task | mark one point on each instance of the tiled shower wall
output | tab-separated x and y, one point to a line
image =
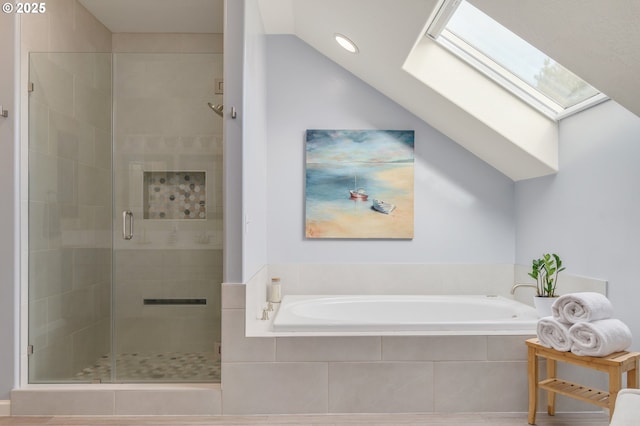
184	273
162	123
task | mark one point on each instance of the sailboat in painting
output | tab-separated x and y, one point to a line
357	193
382	206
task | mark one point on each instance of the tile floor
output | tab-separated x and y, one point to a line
484	419
167	366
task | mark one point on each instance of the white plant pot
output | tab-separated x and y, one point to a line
543	305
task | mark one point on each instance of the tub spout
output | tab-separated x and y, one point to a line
516	285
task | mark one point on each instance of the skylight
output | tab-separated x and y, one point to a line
511	61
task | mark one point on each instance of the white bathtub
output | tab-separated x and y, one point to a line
456	315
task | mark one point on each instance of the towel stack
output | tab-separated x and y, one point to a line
583	323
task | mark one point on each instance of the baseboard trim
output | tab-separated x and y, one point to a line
5	407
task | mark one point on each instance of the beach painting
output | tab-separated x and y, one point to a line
359	184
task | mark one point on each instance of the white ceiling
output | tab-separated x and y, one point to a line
159	16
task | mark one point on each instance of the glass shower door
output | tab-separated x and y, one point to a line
125	218
69	204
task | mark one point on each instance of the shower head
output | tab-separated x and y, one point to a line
216	108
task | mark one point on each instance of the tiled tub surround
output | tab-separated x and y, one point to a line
374	279
374	374
393	279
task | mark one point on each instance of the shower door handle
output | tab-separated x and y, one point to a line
127	225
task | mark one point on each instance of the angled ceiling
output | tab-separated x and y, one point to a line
397	60
600	41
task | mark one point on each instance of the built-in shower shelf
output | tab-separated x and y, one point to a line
175	195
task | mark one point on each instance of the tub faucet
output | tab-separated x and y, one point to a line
265	314
516	285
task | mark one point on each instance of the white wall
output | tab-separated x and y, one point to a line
589	213
232	130
463	208
255	137
8	226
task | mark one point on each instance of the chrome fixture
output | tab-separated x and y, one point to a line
516	285
265	314
127	225
216	108
3	112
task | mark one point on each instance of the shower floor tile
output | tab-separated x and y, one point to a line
165	366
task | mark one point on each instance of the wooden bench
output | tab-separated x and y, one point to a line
614	364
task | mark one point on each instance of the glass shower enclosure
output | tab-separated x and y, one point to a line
125	218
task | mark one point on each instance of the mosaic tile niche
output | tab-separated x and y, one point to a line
175	195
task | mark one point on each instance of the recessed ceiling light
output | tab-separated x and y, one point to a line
346	44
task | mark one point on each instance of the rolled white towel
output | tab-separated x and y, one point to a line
599	338
586	306
554	334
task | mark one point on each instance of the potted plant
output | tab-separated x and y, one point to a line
545	271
